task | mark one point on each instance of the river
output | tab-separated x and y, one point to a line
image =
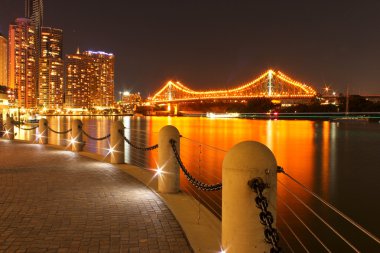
338	161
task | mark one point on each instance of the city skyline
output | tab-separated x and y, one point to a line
220	44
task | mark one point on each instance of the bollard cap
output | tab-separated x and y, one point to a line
249	155
169	131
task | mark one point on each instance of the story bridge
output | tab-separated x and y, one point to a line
271	84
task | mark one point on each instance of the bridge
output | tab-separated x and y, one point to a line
271	84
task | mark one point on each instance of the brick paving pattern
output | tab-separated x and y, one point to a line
57	201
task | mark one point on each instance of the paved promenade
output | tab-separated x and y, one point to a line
57	201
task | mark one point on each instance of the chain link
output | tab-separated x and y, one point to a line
137	147
95	138
57	132
198	184
266	217
26	129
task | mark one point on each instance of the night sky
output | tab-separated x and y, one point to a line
218	44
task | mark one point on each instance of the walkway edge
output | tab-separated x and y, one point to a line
202	228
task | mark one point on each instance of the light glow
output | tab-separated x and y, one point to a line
293	89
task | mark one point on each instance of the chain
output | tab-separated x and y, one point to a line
96	139
266	217
27	129
198	184
137	147
57	132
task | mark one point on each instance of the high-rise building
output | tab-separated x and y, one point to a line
22	62
90	79
51	42
51	69
3	61
34	10
51	91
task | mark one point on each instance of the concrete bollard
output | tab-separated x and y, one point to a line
9	128
117	142
242	231
168	179
76	135
43	130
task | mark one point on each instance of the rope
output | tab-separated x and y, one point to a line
294	234
57	132
95	138
365	231
137	147
198	184
286	241
206	145
306	226
320	218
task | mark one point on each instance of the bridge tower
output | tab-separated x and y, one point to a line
270	84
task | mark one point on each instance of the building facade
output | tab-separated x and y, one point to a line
51	69
3	61
90	79
22	76
34	10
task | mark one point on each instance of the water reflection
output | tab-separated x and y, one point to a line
326	157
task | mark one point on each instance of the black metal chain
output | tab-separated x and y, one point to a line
57	132
135	146
266	217
27	129
198	184
95	138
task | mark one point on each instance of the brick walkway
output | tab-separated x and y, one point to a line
58	201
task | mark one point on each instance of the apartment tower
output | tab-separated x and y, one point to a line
34	10
51	69
22	62
90	79
3	61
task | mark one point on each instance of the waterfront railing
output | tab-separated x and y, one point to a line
249	203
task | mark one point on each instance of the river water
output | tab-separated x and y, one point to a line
338	161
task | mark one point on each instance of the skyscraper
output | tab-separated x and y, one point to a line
51	69
34	10
22	62
3	61
90	79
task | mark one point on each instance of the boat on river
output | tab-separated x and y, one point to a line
222	115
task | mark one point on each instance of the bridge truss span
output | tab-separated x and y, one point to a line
271	84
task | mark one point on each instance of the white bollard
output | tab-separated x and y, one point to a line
43	131
168	179
242	231
9	128
76	135
117	142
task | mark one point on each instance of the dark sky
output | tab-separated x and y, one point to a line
217	44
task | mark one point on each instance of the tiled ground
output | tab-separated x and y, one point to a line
58	201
